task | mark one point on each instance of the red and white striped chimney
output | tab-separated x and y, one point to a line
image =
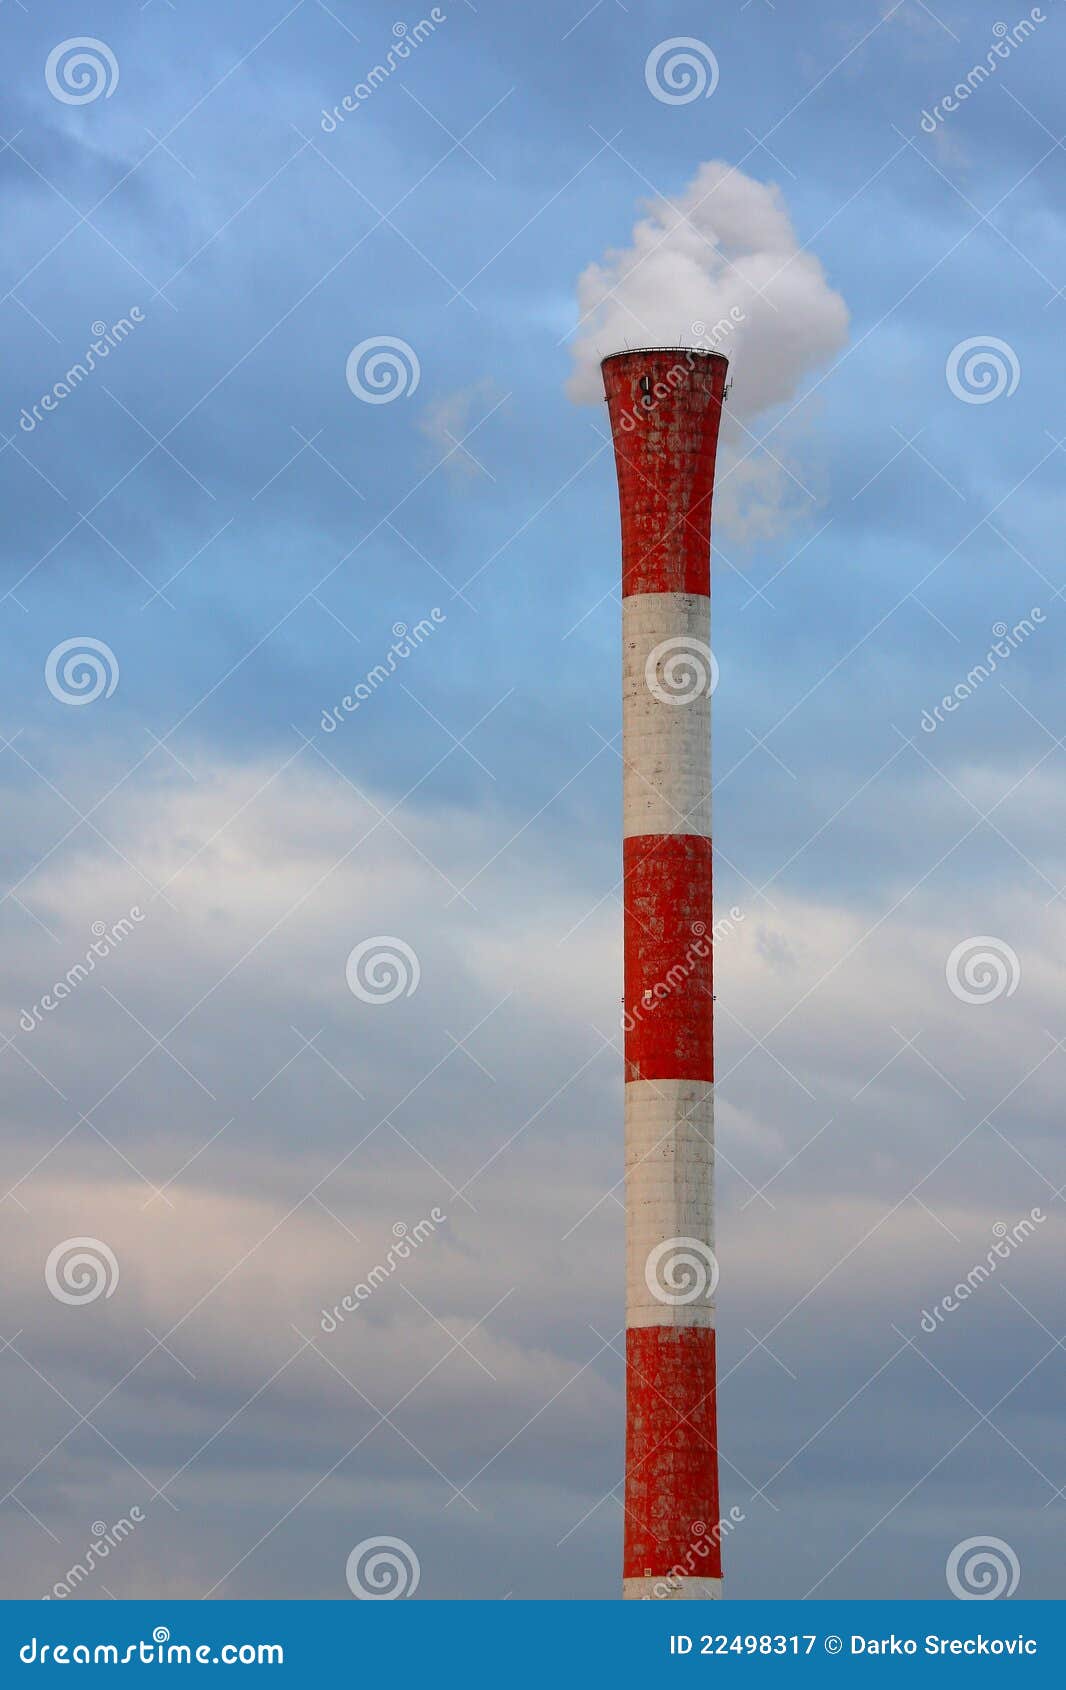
665	408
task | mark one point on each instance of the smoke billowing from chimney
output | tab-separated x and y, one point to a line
720	266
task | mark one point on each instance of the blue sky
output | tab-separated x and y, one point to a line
243	533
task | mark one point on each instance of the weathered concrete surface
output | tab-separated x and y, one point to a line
665	409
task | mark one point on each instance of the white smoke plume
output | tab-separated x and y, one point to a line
720	266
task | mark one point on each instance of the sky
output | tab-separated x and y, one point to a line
249	502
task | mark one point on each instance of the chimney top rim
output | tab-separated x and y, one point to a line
642	352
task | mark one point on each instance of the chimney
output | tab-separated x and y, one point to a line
665	407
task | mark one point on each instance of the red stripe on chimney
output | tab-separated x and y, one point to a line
671	1453
664	455
669	982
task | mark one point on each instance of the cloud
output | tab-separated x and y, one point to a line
721	265
727	242
452	418
284	1190
281	265
757	496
